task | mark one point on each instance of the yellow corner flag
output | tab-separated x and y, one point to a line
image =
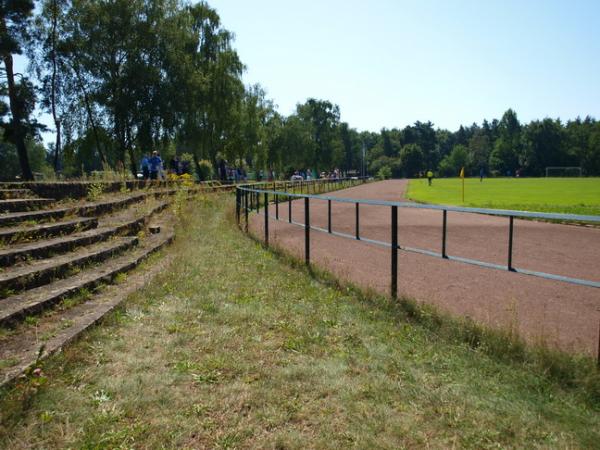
462	175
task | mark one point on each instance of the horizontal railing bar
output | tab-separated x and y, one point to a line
487	211
474	262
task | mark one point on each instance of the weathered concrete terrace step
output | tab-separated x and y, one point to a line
42	272
24	204
6	194
87	209
62	244
45	230
22	348
14	308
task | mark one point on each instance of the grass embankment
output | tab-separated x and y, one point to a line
560	195
232	348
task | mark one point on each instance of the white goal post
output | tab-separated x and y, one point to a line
563	172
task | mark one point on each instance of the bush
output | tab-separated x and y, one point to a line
384	173
205	170
187	162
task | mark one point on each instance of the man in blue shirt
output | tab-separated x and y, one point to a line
155	165
145	167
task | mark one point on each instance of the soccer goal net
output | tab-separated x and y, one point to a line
563	171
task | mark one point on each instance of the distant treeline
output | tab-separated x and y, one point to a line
499	147
122	78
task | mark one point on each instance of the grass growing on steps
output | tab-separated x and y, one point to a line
230	348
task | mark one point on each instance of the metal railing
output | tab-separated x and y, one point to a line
248	198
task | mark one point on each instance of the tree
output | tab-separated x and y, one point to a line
412	159
543	146
324	118
455	161
14	18
504	156
479	149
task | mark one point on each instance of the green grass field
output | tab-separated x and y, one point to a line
562	195
232	347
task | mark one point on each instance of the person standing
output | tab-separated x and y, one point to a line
481	173
429	177
155	165
145	166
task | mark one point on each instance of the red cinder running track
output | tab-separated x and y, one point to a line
555	313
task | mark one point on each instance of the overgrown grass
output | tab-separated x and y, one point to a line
233	348
561	195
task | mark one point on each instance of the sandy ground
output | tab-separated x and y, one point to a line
557	313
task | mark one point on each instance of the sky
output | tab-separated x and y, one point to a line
390	63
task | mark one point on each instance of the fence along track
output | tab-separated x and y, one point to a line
248	198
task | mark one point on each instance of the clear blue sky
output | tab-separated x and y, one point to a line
389	63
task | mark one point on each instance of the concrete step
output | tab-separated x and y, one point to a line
21	349
6	194
42	272
45	230
34	300
63	244
24	204
86	209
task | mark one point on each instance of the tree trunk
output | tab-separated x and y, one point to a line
197	164
18	135
90	114
57	147
53	90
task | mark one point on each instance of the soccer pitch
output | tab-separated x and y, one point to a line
564	195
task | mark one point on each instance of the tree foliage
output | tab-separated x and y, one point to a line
121	78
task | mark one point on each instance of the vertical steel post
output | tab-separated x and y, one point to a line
277	206
444	227
329	216
394	265
306	231
357	222
598	345
266	205
246	208
510	242
290	209
257	202
237	205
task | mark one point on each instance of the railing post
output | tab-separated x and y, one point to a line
277	206
598	360
246	208
306	231
444	227
394	265
237	206
510	242
266	205
290	209
257	202
357	222
329	216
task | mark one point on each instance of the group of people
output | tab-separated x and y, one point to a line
153	167
307	175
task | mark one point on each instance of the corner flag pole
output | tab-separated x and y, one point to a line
462	175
